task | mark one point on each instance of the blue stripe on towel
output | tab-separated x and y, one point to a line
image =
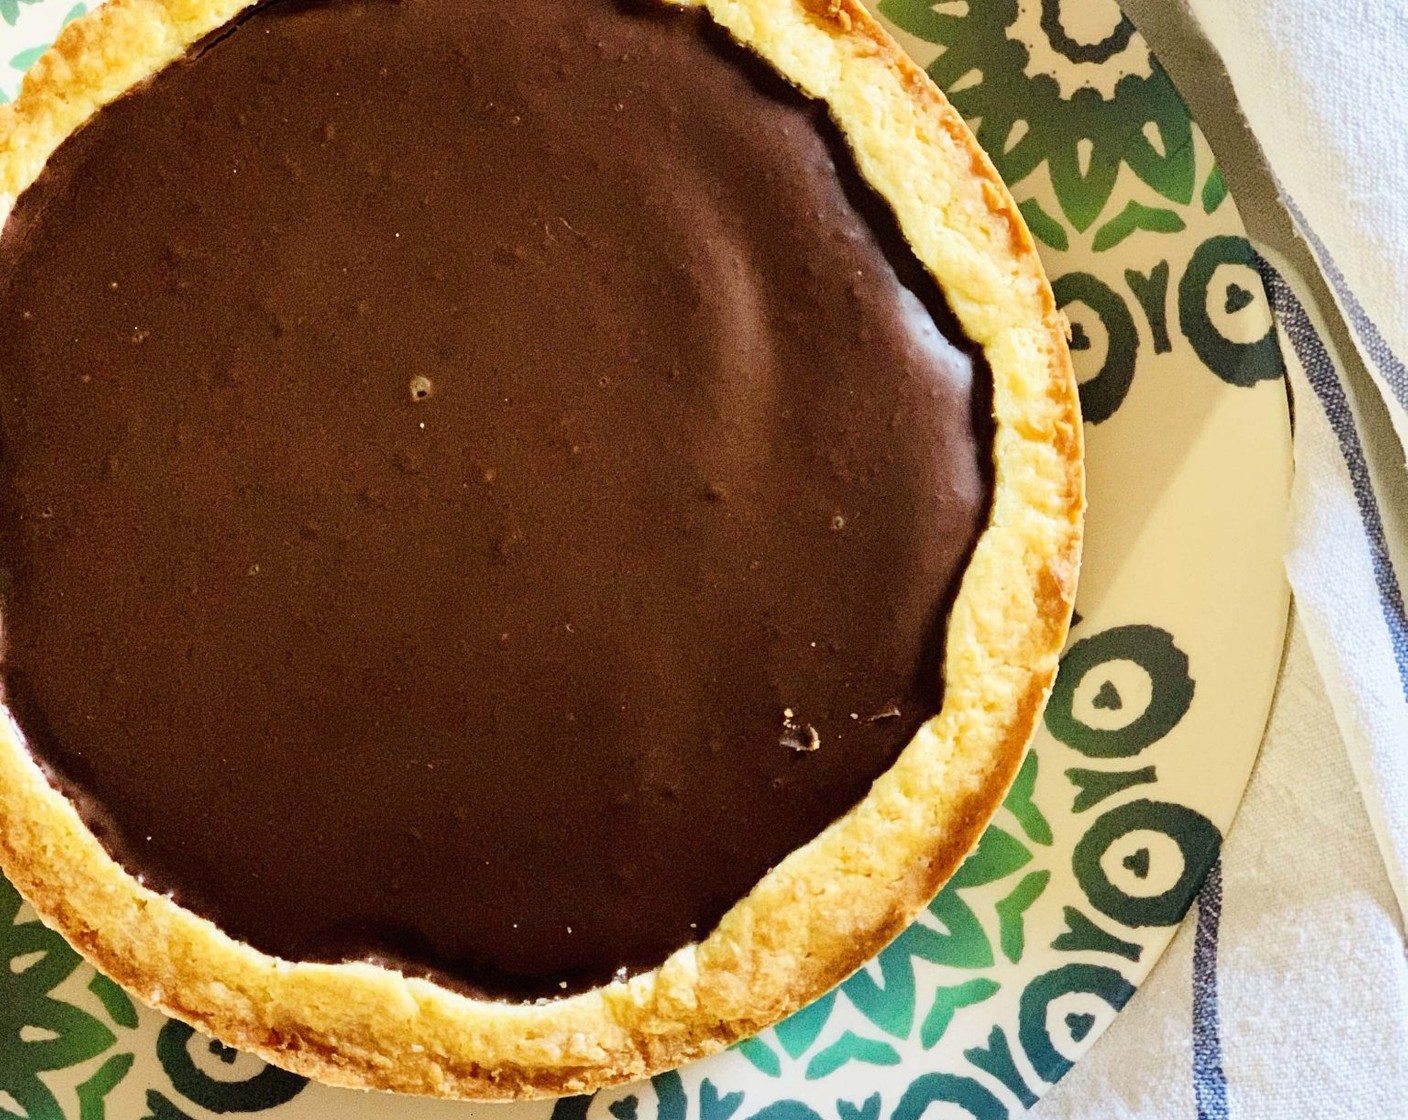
1209	1081
1378	349
1324	379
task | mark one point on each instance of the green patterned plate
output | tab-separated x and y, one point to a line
1118	815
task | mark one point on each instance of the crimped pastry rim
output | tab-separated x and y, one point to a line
832	903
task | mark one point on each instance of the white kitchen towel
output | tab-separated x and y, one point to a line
1322	88
1322	84
1286	993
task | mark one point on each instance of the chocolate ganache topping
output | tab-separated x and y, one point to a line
482	482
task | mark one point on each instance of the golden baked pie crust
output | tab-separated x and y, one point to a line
832	903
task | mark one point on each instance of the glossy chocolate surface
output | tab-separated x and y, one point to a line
459	459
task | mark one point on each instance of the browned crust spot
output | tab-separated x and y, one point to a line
832	903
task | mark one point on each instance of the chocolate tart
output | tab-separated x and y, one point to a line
536	534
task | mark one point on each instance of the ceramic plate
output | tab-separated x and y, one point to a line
1117	816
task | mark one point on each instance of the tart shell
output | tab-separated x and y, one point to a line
831	904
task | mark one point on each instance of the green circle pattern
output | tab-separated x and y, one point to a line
1198	844
1088	979
1153	650
1238	363
1102	395
267	1089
